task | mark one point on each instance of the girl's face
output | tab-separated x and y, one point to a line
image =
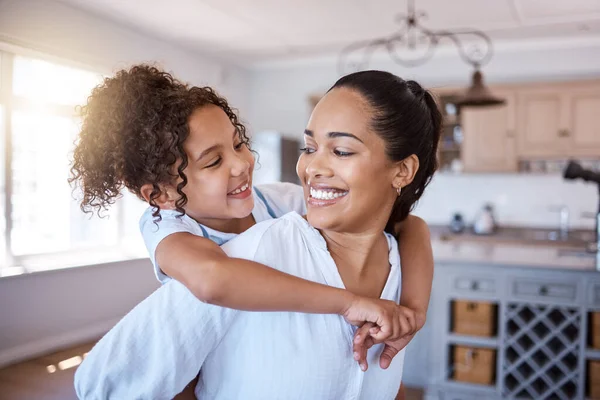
348	179
219	170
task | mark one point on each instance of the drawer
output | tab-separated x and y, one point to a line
474	365
474	318
594	326
469	284
545	290
593	379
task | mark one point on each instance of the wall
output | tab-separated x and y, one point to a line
57	29
279	101
517	199
44	311
54	309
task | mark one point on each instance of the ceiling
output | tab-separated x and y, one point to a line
260	30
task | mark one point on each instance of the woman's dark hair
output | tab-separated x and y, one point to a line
134	127
407	118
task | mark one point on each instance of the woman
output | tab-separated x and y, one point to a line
370	152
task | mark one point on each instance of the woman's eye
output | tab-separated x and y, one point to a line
341	153
307	150
215	163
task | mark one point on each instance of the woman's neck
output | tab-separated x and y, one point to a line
233	225
361	259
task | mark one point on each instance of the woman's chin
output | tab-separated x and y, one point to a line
321	222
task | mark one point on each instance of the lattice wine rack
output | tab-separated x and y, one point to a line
541	352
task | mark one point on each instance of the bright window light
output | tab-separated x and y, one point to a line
44	82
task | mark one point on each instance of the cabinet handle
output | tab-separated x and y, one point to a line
543	290
475	285
563	133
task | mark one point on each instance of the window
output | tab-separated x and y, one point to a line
41	223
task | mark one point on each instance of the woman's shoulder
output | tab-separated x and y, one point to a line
273	233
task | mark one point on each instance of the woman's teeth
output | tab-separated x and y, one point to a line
326	194
240	190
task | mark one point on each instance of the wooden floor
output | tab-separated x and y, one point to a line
34	379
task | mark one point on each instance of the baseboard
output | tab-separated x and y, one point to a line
54	343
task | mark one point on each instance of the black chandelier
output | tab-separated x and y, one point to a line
412	37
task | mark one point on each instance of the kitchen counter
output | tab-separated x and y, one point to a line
511	255
508	249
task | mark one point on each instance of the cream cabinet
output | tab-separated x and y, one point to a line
542	122
559	120
584	121
489	136
539	121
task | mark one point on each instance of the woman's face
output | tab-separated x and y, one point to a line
348	180
219	170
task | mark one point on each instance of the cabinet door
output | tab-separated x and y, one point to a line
489	137
584	113
542	125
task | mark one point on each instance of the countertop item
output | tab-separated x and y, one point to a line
457	224
485	223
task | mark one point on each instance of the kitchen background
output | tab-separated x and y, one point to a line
514	313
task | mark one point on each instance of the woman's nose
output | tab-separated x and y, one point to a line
318	165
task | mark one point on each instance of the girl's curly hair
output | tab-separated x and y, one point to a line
134	127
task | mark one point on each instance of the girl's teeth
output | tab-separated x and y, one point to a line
240	190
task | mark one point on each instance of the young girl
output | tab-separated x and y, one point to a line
183	151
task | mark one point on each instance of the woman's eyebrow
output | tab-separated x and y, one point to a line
333	135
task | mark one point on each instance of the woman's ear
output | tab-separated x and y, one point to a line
406	171
166	198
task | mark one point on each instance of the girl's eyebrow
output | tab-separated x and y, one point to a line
215	147
209	150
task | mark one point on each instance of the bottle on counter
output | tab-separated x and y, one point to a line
457	224
485	223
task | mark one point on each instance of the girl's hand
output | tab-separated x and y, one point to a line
363	341
390	320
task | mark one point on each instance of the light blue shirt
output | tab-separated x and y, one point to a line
162	344
270	201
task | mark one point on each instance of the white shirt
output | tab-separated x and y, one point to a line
270	201
164	341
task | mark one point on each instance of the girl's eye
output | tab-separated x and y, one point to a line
215	163
240	145
340	153
307	150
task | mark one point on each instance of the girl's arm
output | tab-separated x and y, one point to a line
416	257
215	278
